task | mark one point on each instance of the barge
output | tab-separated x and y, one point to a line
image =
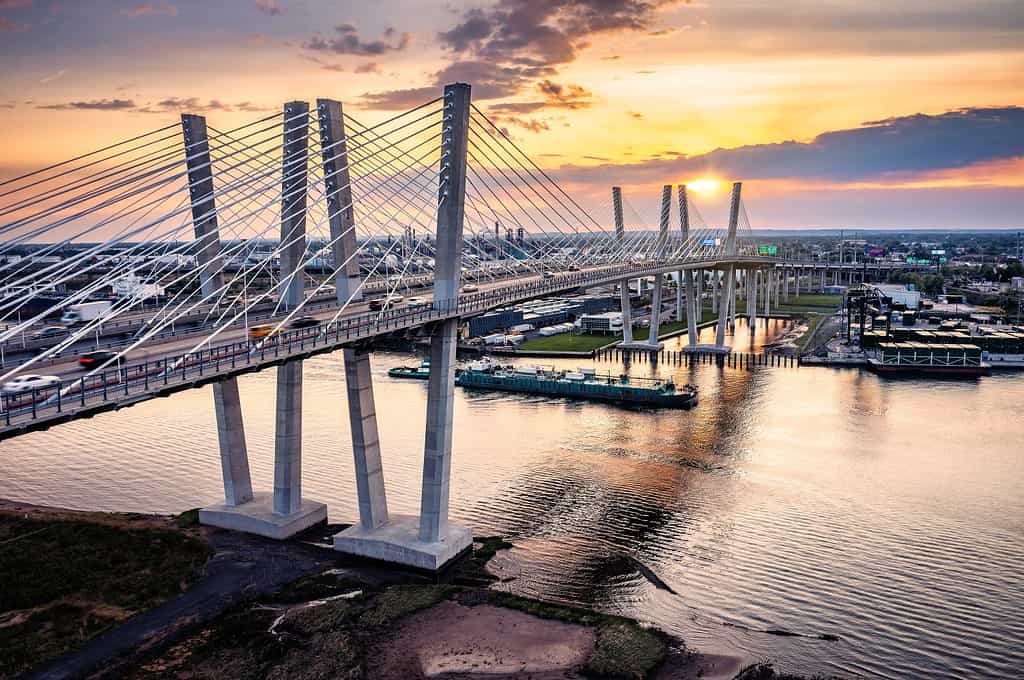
421	372
930	359
583	383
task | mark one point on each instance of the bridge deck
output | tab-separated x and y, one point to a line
113	389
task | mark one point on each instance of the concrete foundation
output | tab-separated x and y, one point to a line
708	349
398	541
642	346
258	517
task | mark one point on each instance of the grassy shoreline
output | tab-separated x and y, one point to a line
68	577
342	620
588	342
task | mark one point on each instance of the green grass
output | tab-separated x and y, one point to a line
664	329
810	303
625	650
66	579
399	601
812	325
585	342
568	342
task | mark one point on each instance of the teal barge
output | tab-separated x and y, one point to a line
581	384
421	372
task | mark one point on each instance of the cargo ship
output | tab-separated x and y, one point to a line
583	383
421	372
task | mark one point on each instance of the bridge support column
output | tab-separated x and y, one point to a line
752	299
723	310
715	301
785	284
430	541
437	447
680	275
693	311
727	301
234	458
285	513
700	295
652	344
239	499
362	411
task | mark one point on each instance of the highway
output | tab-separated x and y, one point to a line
66	367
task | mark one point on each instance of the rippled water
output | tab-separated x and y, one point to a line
887	512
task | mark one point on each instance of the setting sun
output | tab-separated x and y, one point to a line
704	185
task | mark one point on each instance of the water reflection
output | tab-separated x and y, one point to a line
811	500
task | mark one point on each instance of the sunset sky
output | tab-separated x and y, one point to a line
834	113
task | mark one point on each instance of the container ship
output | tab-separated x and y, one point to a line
583	383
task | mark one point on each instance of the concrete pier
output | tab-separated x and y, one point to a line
283	513
624	302
288	440
429	541
242	509
726	305
234	457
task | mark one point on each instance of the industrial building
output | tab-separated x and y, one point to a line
607	323
541	313
900	295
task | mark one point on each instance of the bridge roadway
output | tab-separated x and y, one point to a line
322	306
120	331
160	376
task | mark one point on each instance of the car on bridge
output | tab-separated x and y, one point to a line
304	322
470	289
385	302
97	358
50	332
29	382
263	330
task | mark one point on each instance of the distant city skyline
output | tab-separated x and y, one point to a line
850	114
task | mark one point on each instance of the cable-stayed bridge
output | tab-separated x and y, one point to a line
311	223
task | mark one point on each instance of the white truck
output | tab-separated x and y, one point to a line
85	311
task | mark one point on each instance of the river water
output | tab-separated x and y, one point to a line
889	513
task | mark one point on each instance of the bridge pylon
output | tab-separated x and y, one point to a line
430	541
651	344
727	301
284	512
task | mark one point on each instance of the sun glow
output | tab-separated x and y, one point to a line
704	185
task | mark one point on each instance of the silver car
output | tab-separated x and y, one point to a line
27	383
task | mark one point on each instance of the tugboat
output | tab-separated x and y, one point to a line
421	372
584	383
